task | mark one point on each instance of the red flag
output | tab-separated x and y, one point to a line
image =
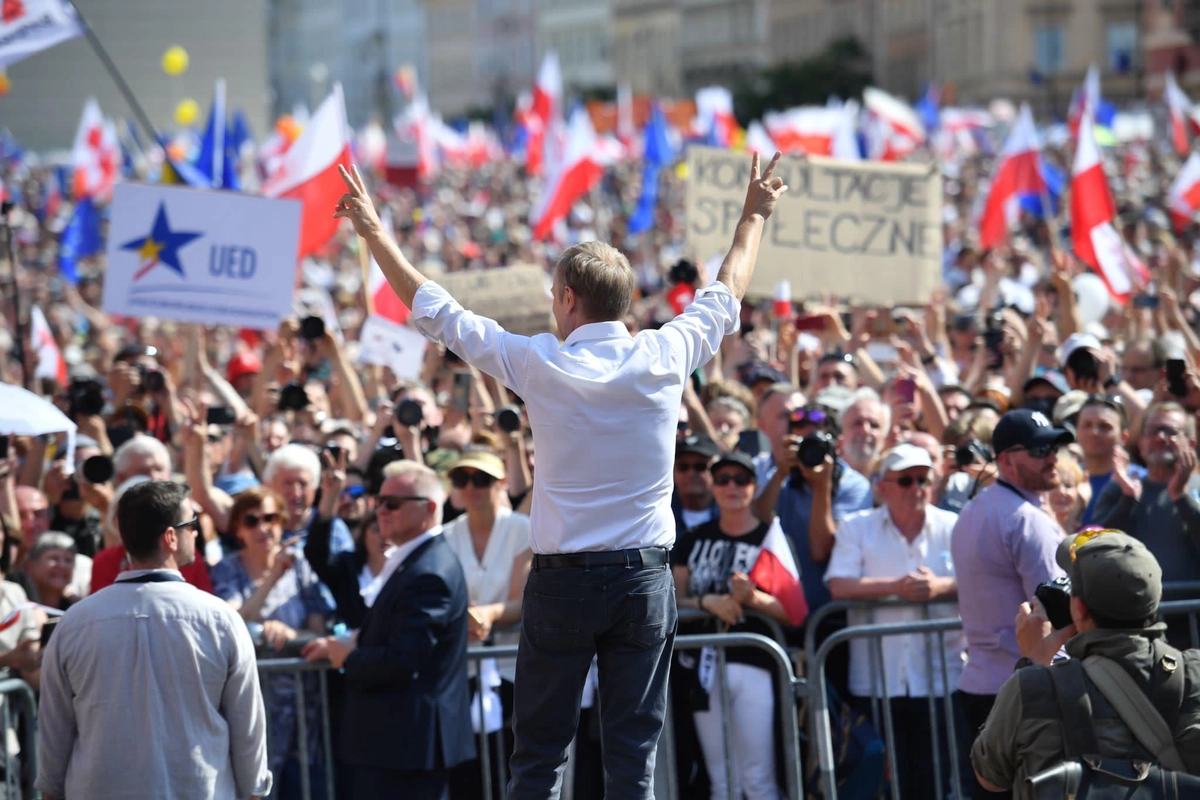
1017	173
1184	197
308	172
1180	110
544	112
775	572
579	169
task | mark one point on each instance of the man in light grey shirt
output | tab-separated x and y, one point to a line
149	687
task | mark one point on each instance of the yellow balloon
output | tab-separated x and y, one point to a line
175	60
187	112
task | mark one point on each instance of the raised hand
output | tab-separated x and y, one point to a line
764	191
1185	465
356	205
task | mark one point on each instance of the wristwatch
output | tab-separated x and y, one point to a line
1022	662
1112	381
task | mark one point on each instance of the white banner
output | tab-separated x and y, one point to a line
397	347
30	26
200	256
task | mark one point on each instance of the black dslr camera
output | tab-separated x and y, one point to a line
814	448
86	398
1056	598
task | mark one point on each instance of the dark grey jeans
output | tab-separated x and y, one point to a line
626	617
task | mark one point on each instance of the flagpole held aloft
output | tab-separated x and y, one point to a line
10	246
109	65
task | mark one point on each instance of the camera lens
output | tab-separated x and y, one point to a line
814	448
98	469
153	381
508	419
409	413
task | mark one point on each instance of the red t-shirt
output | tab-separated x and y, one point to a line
109	562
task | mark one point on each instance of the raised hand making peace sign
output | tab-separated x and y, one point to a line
764	191
356	204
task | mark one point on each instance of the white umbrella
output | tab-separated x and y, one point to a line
23	413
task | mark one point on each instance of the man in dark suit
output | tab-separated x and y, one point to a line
407	708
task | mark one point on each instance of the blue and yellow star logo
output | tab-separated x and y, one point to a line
161	246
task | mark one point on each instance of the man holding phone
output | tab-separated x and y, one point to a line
1089	366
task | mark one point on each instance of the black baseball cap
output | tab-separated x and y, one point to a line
1024	427
736	458
699	444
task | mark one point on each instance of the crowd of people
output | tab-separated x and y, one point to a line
936	453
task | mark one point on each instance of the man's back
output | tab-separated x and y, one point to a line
1024	734
149	690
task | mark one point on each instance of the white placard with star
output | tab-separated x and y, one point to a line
190	255
397	347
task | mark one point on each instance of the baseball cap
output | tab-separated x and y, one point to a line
757	373
1074	342
699	444
737	458
904	456
1114	574
1051	378
1069	405
242	364
485	462
1023	427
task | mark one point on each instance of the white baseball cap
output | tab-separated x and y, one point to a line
904	456
1073	343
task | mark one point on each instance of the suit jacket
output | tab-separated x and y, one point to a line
407	704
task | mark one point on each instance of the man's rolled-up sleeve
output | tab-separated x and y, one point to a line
479	341
57	726
698	331
846	560
243	710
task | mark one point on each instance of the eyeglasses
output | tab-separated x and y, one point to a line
691	466
1085	536
354	492
1112	401
252	520
392	502
194	522
1042	450
738	479
906	481
459	478
1168	431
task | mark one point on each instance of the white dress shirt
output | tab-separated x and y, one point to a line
869	545
604	407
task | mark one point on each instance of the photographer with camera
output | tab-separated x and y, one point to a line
143	396
1123	694
1003	547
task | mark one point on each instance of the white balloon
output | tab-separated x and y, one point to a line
1091	297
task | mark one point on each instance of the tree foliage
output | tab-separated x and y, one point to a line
842	69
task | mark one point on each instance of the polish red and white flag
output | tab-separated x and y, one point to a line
95	155
573	175
308	172
1093	236
776	573
1184	196
1018	172
545	110
1180	108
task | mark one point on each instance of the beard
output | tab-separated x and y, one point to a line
861	449
1034	479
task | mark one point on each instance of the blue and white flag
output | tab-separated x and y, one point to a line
30	26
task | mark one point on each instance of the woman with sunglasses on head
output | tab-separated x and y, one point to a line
270	583
711	564
492	544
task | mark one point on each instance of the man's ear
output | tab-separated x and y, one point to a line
1079	612
171	540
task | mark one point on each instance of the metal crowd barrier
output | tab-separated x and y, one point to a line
19	771
299	667
816	657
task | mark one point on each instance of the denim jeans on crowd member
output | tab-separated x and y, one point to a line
624	615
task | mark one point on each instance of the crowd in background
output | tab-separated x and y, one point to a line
813	422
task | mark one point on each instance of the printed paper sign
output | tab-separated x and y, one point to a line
516	297
200	256
397	347
867	231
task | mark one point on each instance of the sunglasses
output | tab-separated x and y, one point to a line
194	522
809	416
738	479
907	481
1112	401
1085	536
354	492
693	466
480	480
1042	450
253	520
213	438
393	502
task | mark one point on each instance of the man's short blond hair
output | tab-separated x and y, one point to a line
425	481
601	278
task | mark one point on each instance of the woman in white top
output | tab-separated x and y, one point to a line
492	544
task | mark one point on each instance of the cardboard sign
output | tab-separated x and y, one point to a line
866	231
200	256
397	347
516	297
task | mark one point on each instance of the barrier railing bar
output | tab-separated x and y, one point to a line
302	735
326	731
951	725
721	683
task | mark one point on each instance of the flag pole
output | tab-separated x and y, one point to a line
10	245
109	65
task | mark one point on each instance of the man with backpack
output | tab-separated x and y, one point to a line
1092	726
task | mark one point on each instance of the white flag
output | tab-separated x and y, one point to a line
30	26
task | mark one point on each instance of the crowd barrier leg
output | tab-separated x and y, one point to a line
20	773
951	726
726	738
302	739
327	734
485	757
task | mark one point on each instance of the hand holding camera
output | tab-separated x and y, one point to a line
1037	638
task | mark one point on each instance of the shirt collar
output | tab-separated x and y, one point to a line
598	331
137	573
396	557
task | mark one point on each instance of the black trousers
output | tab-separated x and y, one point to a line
378	783
625	616
975	708
466	779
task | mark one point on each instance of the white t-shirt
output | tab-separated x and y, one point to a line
490	579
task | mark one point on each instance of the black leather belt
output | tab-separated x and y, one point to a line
642	557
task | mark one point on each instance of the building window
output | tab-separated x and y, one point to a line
1121	39
1048	43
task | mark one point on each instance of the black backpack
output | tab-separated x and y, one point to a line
1085	775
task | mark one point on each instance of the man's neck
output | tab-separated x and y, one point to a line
1098	465
909	524
696	502
1160	473
158	563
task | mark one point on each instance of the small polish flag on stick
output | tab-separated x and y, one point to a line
783	300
